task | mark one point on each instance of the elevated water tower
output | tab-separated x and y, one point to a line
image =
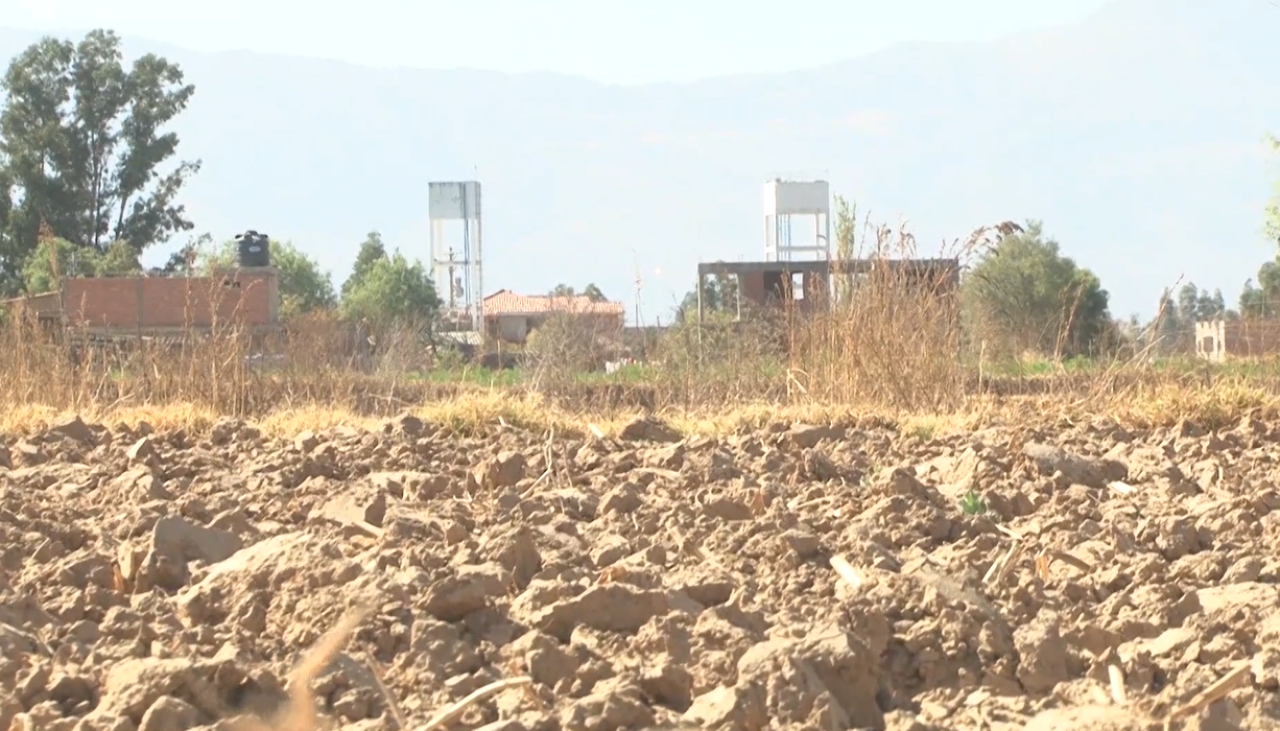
797	220
457	264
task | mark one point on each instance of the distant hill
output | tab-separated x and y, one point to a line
1135	135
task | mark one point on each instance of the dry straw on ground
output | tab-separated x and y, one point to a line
893	347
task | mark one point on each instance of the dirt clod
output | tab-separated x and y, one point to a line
794	576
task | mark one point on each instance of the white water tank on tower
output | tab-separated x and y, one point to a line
797	220
457	251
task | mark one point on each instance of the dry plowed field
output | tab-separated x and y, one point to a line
1079	576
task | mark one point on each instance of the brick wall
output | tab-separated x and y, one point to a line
250	298
751	287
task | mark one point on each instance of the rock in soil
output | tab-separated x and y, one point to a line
800	576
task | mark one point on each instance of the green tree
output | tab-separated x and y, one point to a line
304	287
1025	295
1196	304
119	260
1188	297
83	146
1263	298
57	258
54	259
10	276
719	296
372	250
846	233
183	262
1215	306
593	293
393	290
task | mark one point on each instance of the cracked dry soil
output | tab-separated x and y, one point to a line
1010	578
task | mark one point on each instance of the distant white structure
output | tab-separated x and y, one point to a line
787	200
457	262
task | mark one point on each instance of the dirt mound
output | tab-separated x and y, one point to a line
796	576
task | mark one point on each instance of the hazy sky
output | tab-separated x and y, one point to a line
623	41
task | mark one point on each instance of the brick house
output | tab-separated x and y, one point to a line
161	305
510	317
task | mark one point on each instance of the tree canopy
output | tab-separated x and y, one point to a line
57	257
83	148
591	292
1026	296
183	262
304	287
372	250
390	289
1261	297
719	295
1195	304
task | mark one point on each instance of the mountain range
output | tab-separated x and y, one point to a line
1135	135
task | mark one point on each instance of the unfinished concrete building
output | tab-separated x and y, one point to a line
799	273
1218	340
811	286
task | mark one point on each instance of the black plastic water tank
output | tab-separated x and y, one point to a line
255	250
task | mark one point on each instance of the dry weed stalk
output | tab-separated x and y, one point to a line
300	713
452	712
1215	692
379	675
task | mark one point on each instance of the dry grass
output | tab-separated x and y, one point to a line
1219	406
892	347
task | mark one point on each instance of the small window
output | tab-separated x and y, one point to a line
797	285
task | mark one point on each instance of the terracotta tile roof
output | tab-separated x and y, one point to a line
506	302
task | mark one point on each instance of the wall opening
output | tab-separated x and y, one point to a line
797	286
